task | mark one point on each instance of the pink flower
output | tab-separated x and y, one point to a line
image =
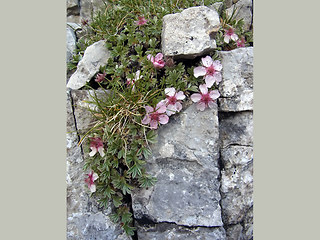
100	77
210	70
205	99
241	43
132	81
96	145
229	34
90	181
172	101
141	21
155	116
157	61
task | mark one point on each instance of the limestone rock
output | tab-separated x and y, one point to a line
190	33
165	231
234	232
71	43
236	183
94	57
236	129
244	11
185	162
89	7
73	11
236	87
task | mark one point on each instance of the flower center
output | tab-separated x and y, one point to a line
172	100
230	31
206	98
155	116
210	70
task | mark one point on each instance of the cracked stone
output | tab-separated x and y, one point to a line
71	43
236	129
236	87
236	183
189	34
187	190
166	231
244	11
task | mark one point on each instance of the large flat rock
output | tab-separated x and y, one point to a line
189	34
185	162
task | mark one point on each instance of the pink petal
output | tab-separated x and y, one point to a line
234	37
201	106
178	106
214	94
93	152
203	89
209	81
101	151
226	38
212	104
171	109
161	107
95	176
149	109
207	61
92	188
158	65
217	76
153	124
180	95
163	119
150	57
199	71
196	97
217	65
146	120
159	57
170	91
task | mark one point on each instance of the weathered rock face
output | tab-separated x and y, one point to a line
94	57
189	34
236	89
73	11
164	231
85	220
244	11
71	43
89	7
185	162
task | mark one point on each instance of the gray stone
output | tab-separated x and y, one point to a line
234	232
165	231
185	162
236	87
248	225
217	6
236	129
190	33
94	57
71	43
236	183
73	11
244	11
85	220
90	8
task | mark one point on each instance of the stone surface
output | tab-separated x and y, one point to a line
185	162
189	34
236	183
236	87
85	221
248	224
217	6
234	232
71	43
244	11
73	11
89	7
165	231
94	56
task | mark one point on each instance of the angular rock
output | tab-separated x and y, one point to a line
236	183
84	219
236	129
73	11
164	231
244	11
190	33
236	87
234	232
248	225
217	6
71	43
94	57
91	7
185	162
